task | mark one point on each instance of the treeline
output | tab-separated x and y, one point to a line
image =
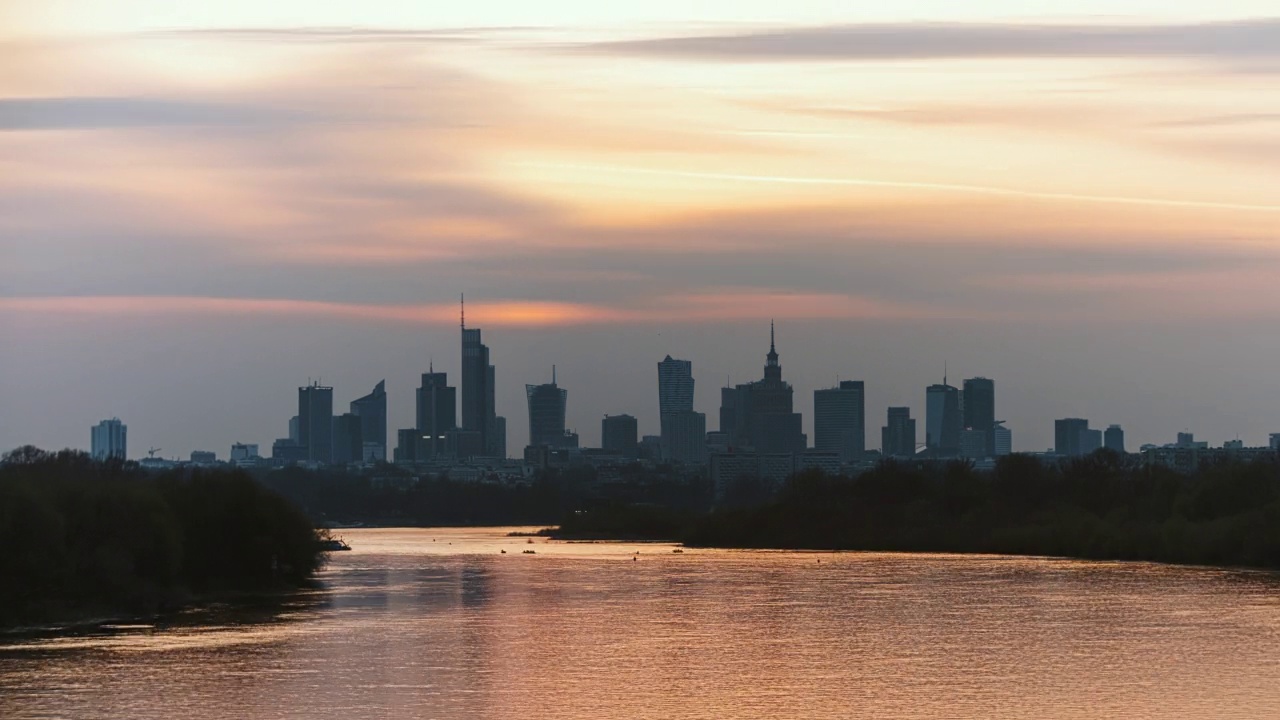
80	537
1104	506
391	496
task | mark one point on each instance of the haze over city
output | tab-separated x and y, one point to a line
204	209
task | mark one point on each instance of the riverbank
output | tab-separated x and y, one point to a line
86	539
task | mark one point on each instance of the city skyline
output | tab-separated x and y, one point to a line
1080	205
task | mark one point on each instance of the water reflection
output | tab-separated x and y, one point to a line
412	628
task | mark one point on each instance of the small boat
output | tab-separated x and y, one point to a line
503	552
529	552
333	545
677	551
530	541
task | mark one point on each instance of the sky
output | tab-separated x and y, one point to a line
205	205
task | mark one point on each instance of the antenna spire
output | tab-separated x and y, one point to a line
462	305
771	347
553	374
944	372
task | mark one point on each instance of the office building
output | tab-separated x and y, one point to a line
204	457
348	440
979	409
478	382
619	434
1090	441
675	386
684	438
839	420
109	439
1113	439
759	416
1003	439
973	444
942	420
1067	434
547	405
243	452
898	436
1275	441
315	422
372	411
437	415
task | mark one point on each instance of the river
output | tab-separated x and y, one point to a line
442	624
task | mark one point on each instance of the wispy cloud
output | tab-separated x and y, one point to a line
1244	39
78	113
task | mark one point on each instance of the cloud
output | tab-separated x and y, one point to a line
80	113
1212	121
1243	39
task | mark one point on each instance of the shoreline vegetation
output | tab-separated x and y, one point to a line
1100	507
85	539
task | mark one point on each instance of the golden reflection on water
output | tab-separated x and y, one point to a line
441	624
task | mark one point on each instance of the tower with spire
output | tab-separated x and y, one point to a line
760	414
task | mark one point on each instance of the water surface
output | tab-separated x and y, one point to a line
440	624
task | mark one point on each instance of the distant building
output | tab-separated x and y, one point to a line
295	434
1188	440
684	438
287	451
1090	441
348	440
1004	439
1233	445
839	420
243	452
772	468
547	406
619	434
109	439
1113	439
203	457
979	412
973	444
943	419
478	394
437	415
898	436
651	447
1275	441
1066	436
315	422
372	411
683	431
759	415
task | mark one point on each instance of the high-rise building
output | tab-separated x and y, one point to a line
372	411
547	405
839	420
684	438
683	431
759	414
1004	439
898	436
1275	441
619	434
1067	434
1090	441
315	422
942	419
1113	439
675	386
479	412
348	440
109	439
980	409
436	413
973	444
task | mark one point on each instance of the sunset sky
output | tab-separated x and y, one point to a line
202	205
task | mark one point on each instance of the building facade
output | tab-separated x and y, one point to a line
348	440
943	419
1113	439
839	420
547	406
479	409
620	434
436	406
372	411
979	411
1003	439
898	436
109	439
1067	434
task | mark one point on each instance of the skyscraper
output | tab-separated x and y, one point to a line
547	405
109	439
436	413
898	436
1004	439
1114	439
1066	435
478	405
980	410
684	432
315	422
348	439
839	420
619	434
759	414
372	411
942	420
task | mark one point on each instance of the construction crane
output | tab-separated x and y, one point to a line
152	452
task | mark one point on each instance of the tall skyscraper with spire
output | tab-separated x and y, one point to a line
479	412
943	418
547	405
760	414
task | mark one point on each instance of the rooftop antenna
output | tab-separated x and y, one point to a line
553	374
944	372
771	347
462	304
